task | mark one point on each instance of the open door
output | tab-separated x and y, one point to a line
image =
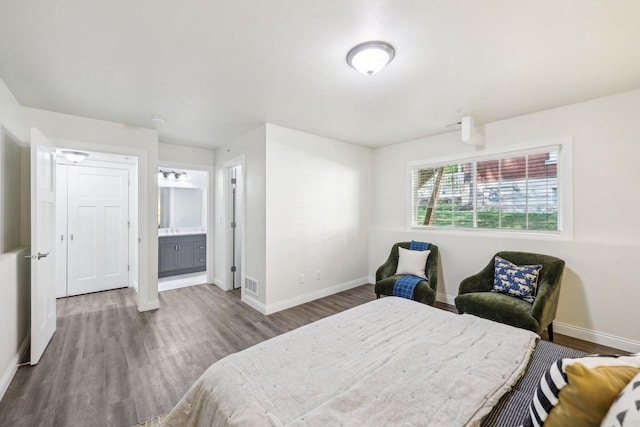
43	243
234	212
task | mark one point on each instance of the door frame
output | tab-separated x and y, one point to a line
241	221
145	283
210	211
132	168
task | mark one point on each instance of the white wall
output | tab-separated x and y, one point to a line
318	208
600	291
114	138
14	269
188	156
10	162
11	116
252	148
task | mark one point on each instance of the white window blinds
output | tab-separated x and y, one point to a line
513	191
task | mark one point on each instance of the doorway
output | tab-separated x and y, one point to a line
94	211
234	212
183	223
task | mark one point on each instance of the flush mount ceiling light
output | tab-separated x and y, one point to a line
370	57
74	156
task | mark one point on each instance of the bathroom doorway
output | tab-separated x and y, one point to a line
183	225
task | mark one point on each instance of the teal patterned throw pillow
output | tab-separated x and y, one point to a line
519	281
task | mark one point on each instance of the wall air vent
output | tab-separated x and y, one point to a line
251	285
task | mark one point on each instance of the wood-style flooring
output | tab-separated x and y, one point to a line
109	365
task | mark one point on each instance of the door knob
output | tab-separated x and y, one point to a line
39	256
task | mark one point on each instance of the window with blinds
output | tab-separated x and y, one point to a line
512	191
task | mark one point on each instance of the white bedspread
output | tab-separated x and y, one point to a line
388	362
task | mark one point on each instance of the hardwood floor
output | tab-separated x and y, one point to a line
109	365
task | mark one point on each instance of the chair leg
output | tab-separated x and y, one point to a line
550	331
377	296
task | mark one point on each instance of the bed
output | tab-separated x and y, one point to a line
388	362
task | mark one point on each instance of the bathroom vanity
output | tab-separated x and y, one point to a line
182	238
181	254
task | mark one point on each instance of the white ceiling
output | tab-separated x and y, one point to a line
216	69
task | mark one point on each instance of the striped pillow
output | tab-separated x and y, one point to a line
555	379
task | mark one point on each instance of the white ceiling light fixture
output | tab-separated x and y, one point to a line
74	156
370	57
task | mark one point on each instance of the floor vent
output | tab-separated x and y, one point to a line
251	285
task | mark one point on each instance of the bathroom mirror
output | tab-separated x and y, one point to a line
179	207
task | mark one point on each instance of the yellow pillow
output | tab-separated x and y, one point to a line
589	393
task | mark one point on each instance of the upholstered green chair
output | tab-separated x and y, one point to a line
475	296
425	291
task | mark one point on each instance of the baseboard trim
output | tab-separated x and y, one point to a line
585	334
372	280
310	296
219	283
447	299
601	338
149	305
12	368
254	303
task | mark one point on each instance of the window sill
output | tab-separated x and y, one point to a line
495	233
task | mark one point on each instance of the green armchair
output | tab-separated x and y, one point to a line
475	296
425	291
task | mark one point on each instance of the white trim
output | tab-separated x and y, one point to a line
241	216
565	195
219	283
585	334
148	305
448	299
489	152
311	296
254	303
601	338
490	233
12	367
372	280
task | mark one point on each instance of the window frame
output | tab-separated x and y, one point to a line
565	189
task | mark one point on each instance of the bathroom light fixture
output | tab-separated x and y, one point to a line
74	156
177	175
370	57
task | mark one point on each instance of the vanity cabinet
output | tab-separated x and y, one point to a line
182	254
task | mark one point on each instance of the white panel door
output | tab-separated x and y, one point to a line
98	229
43	245
61	231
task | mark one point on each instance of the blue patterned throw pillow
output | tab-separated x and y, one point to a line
519	281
